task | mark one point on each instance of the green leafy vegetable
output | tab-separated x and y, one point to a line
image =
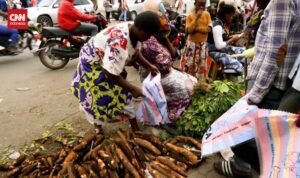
206	107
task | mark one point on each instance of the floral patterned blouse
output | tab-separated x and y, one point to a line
114	47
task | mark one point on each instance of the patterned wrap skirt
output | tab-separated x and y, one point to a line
193	60
100	98
231	64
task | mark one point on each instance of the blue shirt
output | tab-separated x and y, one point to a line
3	6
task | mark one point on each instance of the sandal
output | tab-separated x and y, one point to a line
98	129
235	167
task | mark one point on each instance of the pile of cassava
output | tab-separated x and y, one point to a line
124	154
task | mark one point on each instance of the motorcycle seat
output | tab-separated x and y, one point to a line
54	32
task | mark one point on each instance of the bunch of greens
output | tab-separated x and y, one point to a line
206	107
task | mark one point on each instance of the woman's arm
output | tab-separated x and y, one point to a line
207	27
145	63
233	39
136	91
203	29
172	49
218	37
191	23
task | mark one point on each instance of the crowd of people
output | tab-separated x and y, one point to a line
17	4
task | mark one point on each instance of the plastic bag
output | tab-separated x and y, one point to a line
278	144
234	127
153	107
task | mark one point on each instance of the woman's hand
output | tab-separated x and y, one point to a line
167	31
250	102
153	69
131	60
136	92
199	13
233	39
203	30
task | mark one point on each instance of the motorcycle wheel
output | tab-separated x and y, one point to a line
48	59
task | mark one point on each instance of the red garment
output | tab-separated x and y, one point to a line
69	17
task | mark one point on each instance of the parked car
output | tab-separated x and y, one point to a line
47	10
135	7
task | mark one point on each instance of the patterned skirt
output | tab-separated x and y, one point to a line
193	60
178	87
100	98
231	65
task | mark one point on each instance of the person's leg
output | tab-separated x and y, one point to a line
290	101
129	112
106	15
86	28
109	15
14	37
125	15
121	16
12	33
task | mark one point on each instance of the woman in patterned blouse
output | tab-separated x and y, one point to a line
100	79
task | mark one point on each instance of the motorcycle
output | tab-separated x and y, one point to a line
28	38
60	46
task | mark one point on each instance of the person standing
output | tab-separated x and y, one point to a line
33	3
268	73
268	80
291	100
107	6
124	9
198	24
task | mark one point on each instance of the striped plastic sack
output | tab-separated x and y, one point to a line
153	107
234	127
278	143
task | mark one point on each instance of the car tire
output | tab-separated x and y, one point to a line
133	15
45	21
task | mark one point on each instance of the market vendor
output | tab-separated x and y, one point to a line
220	41
100	79
177	85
